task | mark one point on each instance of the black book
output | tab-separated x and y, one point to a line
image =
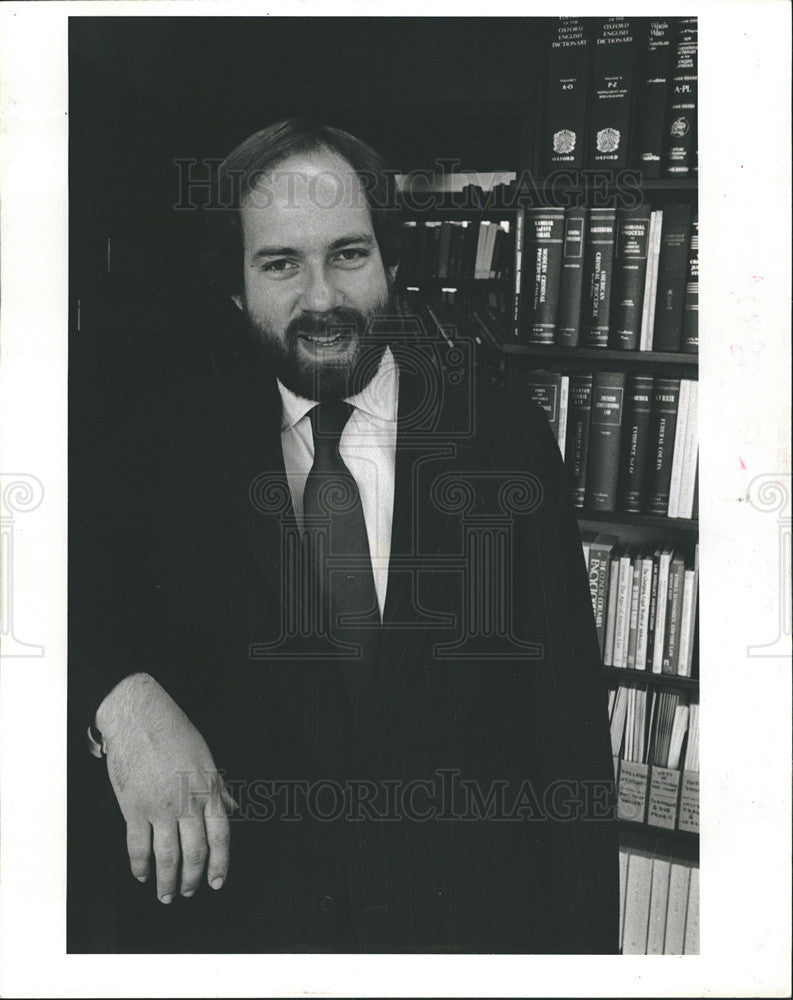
663	422
630	266
672	273
444	247
579	412
690	338
655	64
568	316
542	271
608	393
408	254
598	267
470	243
566	97
611	94
634	443
681	127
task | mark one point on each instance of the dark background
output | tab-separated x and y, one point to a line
143	93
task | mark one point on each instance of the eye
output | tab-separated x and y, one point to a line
352	256
280	267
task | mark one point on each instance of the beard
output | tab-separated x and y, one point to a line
341	367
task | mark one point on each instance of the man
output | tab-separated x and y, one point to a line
355	586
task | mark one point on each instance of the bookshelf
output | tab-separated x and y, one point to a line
663	698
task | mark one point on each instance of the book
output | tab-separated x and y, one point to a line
542	268
653	609
597	276
679	874
690	332
444	241
672	274
568	317
674	609
637	902
633	617
599	560
688	618
579	411
681	128
691	936
608	392
659	901
645	591
566	95
630	266
678	449
651	281
623	880
689	461
611	94
654	70
548	390
634	443
659	631
663	420
624	592
611	610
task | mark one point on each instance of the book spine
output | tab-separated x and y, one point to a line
681	130
545	391
520	222
599	558
611	94
634	443
566	97
579	412
653	611
568	320
663	419
443	249
611	611
660	613
686	618
659	896
678	449
690	334
676	910
598	267
545	235
691	937
654	74
637	903
674	608
630	266
672	273
644	613
623	611
651	281
633	620
561	430
688	471
608	391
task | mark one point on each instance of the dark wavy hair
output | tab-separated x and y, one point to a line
261	152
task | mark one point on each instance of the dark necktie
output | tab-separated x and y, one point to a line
341	564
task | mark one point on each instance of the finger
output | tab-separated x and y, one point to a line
166	854
139	848
218	839
194	852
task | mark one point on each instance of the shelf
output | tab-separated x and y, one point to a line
626	178
673	525
430	281
580	356
680	838
667	681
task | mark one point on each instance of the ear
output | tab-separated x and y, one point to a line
237	300
392	273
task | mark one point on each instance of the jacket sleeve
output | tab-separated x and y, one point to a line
581	878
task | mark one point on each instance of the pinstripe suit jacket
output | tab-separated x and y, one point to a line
488	697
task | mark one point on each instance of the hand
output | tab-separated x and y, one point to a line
167	786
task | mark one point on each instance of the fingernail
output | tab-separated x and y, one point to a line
216	883
188	893
166	899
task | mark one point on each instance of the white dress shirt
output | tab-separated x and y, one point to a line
368	449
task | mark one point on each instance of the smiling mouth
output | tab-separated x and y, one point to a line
326	339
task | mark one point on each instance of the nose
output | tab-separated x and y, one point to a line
320	293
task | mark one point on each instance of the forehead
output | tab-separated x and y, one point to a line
306	202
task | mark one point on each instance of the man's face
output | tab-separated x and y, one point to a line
313	277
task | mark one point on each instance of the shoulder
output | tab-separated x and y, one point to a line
509	421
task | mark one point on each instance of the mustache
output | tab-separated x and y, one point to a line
341	319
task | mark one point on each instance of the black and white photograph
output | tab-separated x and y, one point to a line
391	540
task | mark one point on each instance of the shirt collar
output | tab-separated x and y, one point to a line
378	398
